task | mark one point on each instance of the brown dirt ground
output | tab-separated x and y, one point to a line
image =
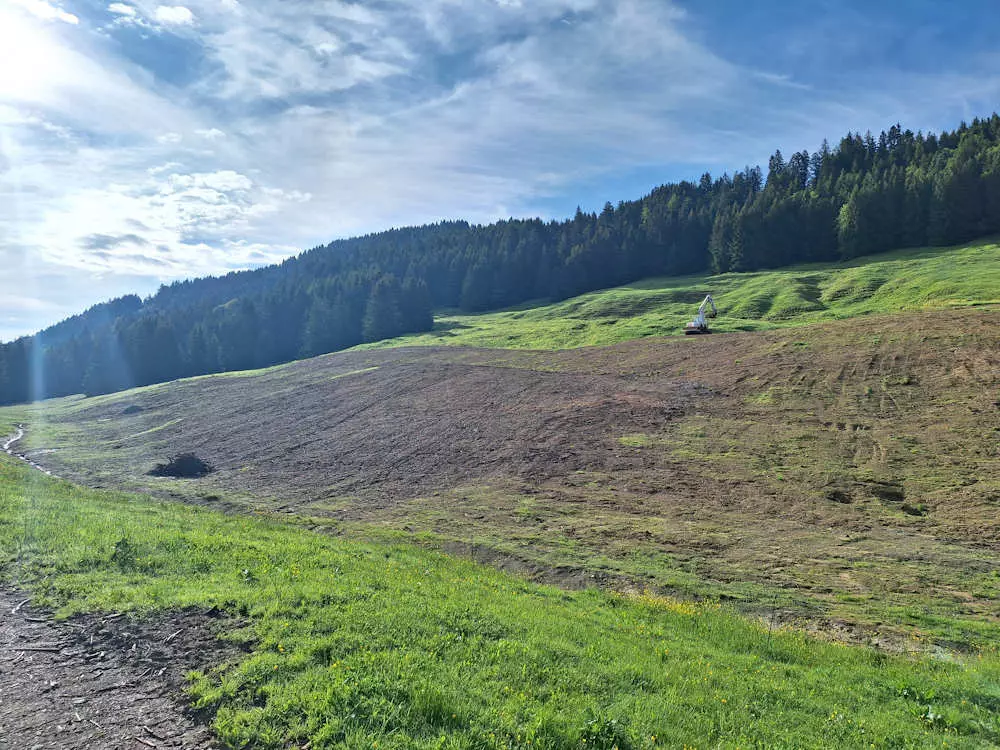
416	424
100	683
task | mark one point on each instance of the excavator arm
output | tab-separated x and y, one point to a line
708	302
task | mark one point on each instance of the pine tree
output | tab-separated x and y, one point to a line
416	307
383	314
720	241
476	289
198	359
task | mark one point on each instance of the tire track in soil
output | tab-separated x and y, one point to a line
101	683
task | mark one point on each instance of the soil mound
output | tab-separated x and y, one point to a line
184	466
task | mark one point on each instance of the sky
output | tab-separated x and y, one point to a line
144	142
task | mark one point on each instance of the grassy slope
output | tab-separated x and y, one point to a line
857	406
354	645
425	636
904	280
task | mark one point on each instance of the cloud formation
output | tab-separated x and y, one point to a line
174	15
121	9
47	11
142	142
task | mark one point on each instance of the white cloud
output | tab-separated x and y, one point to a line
168	225
174	15
210	134
225	181
23	302
47	11
170	166
304	55
121	9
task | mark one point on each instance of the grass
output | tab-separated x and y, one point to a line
903	280
390	646
908	590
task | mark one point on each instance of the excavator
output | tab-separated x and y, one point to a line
699	324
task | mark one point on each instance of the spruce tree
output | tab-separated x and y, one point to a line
383	314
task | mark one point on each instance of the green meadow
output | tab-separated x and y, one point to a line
904	280
360	645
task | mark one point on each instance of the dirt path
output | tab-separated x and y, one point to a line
99	683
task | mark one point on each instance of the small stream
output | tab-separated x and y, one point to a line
10	441
8	448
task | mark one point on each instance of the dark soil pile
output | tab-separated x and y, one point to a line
184	466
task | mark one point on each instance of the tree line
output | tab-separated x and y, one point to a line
865	195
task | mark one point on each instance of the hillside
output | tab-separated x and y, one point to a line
834	474
926	278
782	535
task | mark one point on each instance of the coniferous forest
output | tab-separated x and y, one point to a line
865	195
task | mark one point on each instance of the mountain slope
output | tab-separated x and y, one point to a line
926	278
838	472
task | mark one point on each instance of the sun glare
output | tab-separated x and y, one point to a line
31	58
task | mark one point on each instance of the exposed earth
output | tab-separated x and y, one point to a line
100	682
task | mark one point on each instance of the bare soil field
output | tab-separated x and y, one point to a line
100	683
384	426
854	466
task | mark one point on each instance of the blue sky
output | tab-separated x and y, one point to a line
142	142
